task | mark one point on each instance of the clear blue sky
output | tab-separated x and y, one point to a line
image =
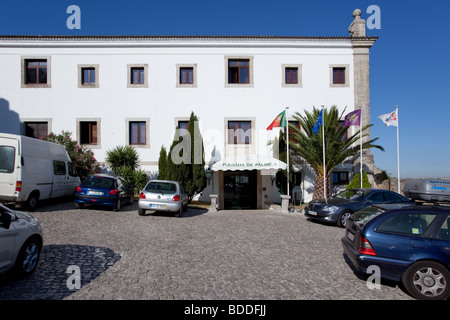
410	62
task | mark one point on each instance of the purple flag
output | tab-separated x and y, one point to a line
353	118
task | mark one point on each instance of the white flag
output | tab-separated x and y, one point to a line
390	119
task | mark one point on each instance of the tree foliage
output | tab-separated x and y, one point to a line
81	156
189	166
308	145
356	181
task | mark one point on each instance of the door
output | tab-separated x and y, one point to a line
59	179
8	166
7	235
240	189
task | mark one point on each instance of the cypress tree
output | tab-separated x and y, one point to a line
163	164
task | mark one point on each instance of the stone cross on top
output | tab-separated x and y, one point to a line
357	28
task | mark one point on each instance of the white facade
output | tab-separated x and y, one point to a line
112	102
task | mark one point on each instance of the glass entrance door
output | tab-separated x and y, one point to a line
240	189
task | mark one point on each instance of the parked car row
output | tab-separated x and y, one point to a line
110	191
409	243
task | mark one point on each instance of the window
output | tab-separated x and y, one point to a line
390	197
291	75
293	123
410	224
36	72
239	132
72	170
444	231
340	178
137	133
137	75
339	75
37	130
239	71
7	157
88	132
186	75
376	197
59	168
88	76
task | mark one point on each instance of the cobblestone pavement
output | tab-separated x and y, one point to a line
202	255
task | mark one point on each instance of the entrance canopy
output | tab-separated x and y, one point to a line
249	162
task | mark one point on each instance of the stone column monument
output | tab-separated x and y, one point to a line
361	45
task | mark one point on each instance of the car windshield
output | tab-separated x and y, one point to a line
361	217
98	182
161	187
351	194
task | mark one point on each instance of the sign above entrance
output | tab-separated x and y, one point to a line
249	162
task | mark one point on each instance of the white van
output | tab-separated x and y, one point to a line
33	169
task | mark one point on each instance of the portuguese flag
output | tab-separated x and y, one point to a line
280	121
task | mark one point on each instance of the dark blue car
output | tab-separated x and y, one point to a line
103	190
410	245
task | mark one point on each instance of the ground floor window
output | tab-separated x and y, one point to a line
38	129
340	178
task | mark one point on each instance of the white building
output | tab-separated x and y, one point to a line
135	90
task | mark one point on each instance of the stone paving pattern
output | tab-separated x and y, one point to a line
261	255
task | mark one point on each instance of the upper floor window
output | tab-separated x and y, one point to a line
291	75
339	75
238	71
137	76
88	75
186	75
36	72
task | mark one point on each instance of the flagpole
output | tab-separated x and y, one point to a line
287	147
324	165
398	154
360	148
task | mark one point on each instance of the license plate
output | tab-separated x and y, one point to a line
313	213
95	193
157	206
351	236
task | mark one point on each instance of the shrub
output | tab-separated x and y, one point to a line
356	182
81	156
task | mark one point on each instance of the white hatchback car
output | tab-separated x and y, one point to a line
21	241
163	195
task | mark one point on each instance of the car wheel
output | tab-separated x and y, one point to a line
32	201
179	212
427	280
28	257
343	217
117	205
141	212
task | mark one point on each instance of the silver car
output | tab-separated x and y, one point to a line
163	195
21	241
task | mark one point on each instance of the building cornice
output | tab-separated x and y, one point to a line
167	41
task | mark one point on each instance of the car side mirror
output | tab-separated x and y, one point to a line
6	219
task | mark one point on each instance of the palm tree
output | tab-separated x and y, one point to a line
308	145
